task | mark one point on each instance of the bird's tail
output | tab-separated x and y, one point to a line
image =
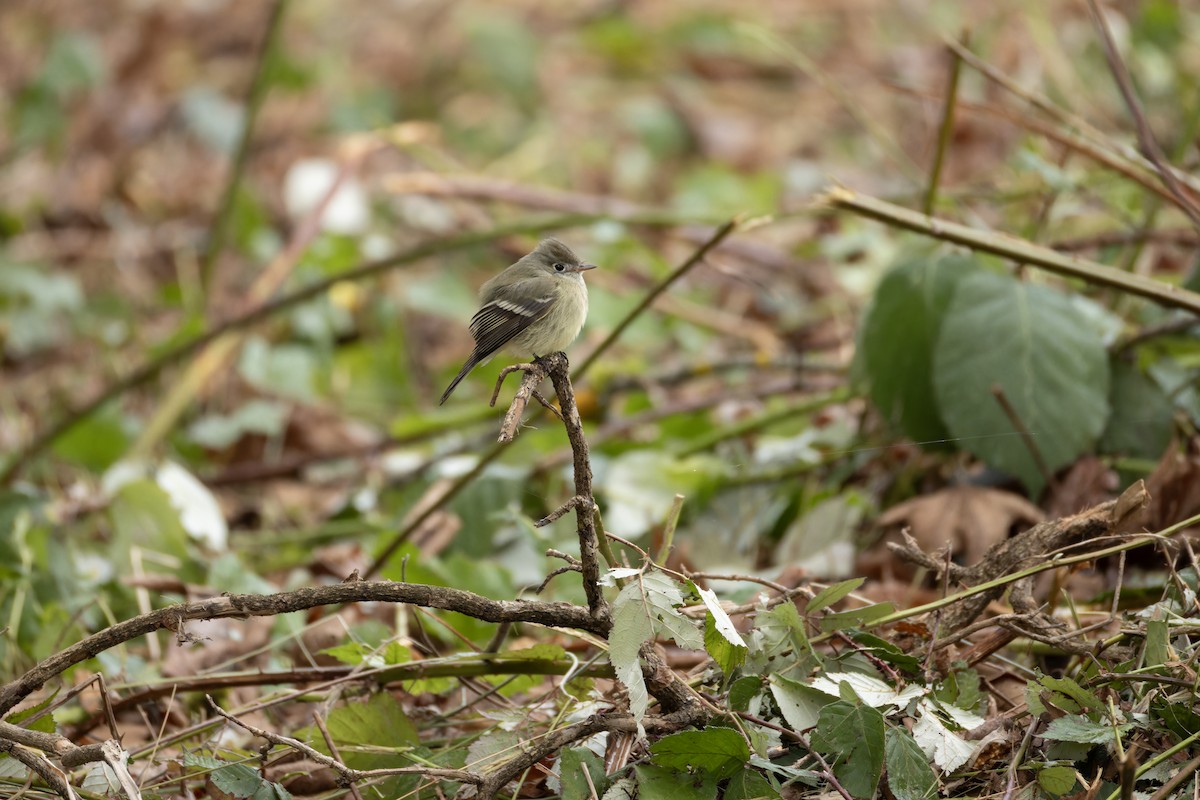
462	373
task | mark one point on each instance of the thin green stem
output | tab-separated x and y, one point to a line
254	101
718	235
1047	564
946	129
752	424
1013	248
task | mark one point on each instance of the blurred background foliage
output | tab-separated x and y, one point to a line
313	440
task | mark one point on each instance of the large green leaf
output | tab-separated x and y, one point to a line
897	341
657	783
852	735
1047	357
720	751
908	772
1141	423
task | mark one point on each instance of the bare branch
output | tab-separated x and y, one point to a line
172	618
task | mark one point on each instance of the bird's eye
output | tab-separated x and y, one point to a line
559	268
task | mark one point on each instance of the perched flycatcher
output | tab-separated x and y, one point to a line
535	307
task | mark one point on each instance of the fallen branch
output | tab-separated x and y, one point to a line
1012	556
173	618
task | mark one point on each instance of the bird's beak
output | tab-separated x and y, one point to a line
583	267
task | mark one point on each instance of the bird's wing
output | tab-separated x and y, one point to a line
508	311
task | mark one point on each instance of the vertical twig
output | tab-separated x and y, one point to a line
1146	140
254	101
558	369
947	127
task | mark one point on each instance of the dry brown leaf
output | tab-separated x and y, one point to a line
1174	488
968	518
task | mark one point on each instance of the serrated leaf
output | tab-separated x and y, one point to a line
800	704
43	724
831	594
611	577
897	341
909	775
779	630
938	742
871	690
1157	649
645	609
1071	689
853	735
237	780
1078	728
656	783
102	780
1046	356
718	751
372	735
631	628
572	764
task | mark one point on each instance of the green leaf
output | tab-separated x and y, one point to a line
856	617
97	442
1078	728
1057	780
656	783
909	775
219	431
372	735
799	703
1042	351
725	653
641	486
287	370
719	751
743	691
831	594
749	784
243	781
853	735
1068	688
1140	425
898	337
572	764
886	651
645	609
1157	650
721	638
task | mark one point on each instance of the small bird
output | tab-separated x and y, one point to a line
535	307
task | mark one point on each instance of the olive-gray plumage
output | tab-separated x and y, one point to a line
535	307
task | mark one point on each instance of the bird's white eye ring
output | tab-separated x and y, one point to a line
559	267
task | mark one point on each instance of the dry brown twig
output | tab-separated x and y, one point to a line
1012	555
